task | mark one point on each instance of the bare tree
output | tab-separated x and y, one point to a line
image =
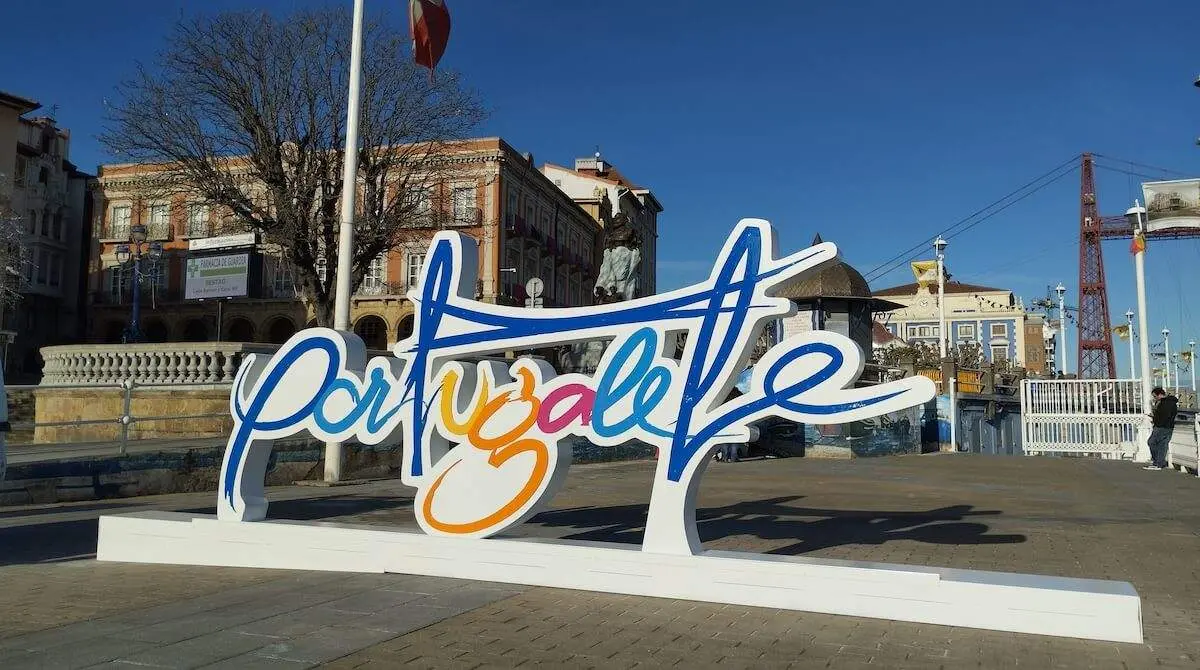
249	111
15	257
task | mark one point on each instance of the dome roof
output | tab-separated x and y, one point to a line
836	280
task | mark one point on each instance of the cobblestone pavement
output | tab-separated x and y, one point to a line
1070	517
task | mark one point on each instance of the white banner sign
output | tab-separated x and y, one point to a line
217	276
223	242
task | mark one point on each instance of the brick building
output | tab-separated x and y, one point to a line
526	226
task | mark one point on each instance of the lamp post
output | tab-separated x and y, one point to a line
1166	333
1132	365
137	250
939	246
1062	326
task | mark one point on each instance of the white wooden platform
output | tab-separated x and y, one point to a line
1081	608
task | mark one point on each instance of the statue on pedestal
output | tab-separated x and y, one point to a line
617	281
618	277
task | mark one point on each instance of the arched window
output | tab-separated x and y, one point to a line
373	332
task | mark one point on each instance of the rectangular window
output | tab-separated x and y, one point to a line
999	354
55	269
160	227
56	231
121	217
529	219
513	210
966	331
43	267
31	222
376	276
282	279
197	222
999	330
463	199
19	172
116	284
511	279
418	200
415	263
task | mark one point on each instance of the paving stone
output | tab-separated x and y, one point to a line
78	655
65	635
197	651
325	644
1067	517
255	662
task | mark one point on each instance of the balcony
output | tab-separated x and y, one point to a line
382	289
467	216
516	227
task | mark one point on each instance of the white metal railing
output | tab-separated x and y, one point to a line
1184	450
1081	416
146	364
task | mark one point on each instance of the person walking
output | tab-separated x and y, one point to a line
1163	418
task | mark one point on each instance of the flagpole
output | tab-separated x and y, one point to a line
345	257
1136	213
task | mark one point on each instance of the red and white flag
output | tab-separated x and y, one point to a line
429	21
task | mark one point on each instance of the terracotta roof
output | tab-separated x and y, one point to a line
610	176
951	287
880	334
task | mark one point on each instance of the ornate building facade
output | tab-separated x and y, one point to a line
525	225
51	199
992	318
603	192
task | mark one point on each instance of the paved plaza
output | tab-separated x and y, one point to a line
59	608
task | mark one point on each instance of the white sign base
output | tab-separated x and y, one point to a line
1080	608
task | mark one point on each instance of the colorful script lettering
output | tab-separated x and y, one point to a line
509	421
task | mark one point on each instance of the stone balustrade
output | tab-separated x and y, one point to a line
200	363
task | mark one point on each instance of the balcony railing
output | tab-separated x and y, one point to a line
108	364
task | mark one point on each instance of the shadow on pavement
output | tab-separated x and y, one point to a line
808	529
59	509
316	509
49	541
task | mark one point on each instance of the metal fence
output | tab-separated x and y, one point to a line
1081	416
24	445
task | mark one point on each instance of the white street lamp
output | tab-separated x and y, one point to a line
939	246
1062	326
1167	357
1132	365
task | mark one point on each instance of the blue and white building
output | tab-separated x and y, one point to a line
993	318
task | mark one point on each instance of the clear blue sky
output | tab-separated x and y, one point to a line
877	123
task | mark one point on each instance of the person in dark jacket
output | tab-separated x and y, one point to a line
1164	424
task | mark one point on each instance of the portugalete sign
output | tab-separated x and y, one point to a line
509	423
